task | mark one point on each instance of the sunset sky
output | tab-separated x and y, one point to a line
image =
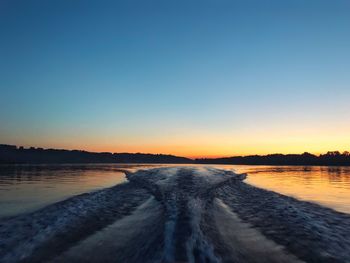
191	78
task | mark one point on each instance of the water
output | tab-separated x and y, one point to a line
325	185
25	188
175	214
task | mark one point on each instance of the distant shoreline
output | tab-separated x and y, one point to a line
155	163
11	154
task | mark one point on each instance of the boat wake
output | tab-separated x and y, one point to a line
178	214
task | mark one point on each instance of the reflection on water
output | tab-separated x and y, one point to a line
24	188
326	185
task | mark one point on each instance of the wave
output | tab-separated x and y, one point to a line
37	236
178	214
312	232
134	238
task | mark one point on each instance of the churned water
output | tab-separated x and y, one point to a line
140	213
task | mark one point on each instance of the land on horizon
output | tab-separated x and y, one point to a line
13	154
175	131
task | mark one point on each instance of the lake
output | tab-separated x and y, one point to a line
25	188
325	185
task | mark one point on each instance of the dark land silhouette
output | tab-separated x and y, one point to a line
330	158
13	154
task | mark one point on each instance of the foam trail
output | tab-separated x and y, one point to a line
134	238
44	233
199	249
169	230
244	243
179	214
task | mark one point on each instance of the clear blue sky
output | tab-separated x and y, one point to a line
192	78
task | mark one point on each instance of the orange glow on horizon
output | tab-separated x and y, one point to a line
194	152
212	144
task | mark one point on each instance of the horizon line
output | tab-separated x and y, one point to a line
188	157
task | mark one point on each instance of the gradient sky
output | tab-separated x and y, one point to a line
192	78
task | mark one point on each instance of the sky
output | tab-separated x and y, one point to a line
191	78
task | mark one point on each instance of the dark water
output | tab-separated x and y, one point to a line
25	188
174	214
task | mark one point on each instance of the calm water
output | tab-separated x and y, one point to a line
24	188
328	186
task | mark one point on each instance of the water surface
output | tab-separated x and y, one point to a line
325	185
25	188
177	214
